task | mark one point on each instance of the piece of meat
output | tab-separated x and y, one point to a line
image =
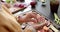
20	20
30	23
21	6
50	30
33	20
27	17
40	18
46	29
39	26
31	14
41	30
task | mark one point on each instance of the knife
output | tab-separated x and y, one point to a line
53	28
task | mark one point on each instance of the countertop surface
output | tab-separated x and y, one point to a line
46	10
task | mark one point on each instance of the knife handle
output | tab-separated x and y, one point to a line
53	28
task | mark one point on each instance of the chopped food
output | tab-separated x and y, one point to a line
45	28
32	17
30	21
21	6
27	17
41	30
33	20
40	18
36	21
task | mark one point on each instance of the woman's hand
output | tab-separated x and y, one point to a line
8	23
27	17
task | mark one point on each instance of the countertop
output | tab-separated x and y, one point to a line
46	10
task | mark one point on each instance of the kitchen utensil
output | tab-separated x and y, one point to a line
57	20
53	28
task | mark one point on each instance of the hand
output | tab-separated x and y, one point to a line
27	17
31	14
8	23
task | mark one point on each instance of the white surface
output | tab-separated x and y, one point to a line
26	10
4	0
27	2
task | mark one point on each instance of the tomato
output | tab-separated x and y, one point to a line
21	6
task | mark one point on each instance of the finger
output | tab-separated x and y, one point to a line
29	29
34	13
2	29
33	20
17	27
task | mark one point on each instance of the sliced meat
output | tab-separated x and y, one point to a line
31	14
33	20
41	30
40	18
27	17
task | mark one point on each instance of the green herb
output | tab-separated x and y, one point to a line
8	1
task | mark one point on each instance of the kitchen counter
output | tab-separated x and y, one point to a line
46	10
